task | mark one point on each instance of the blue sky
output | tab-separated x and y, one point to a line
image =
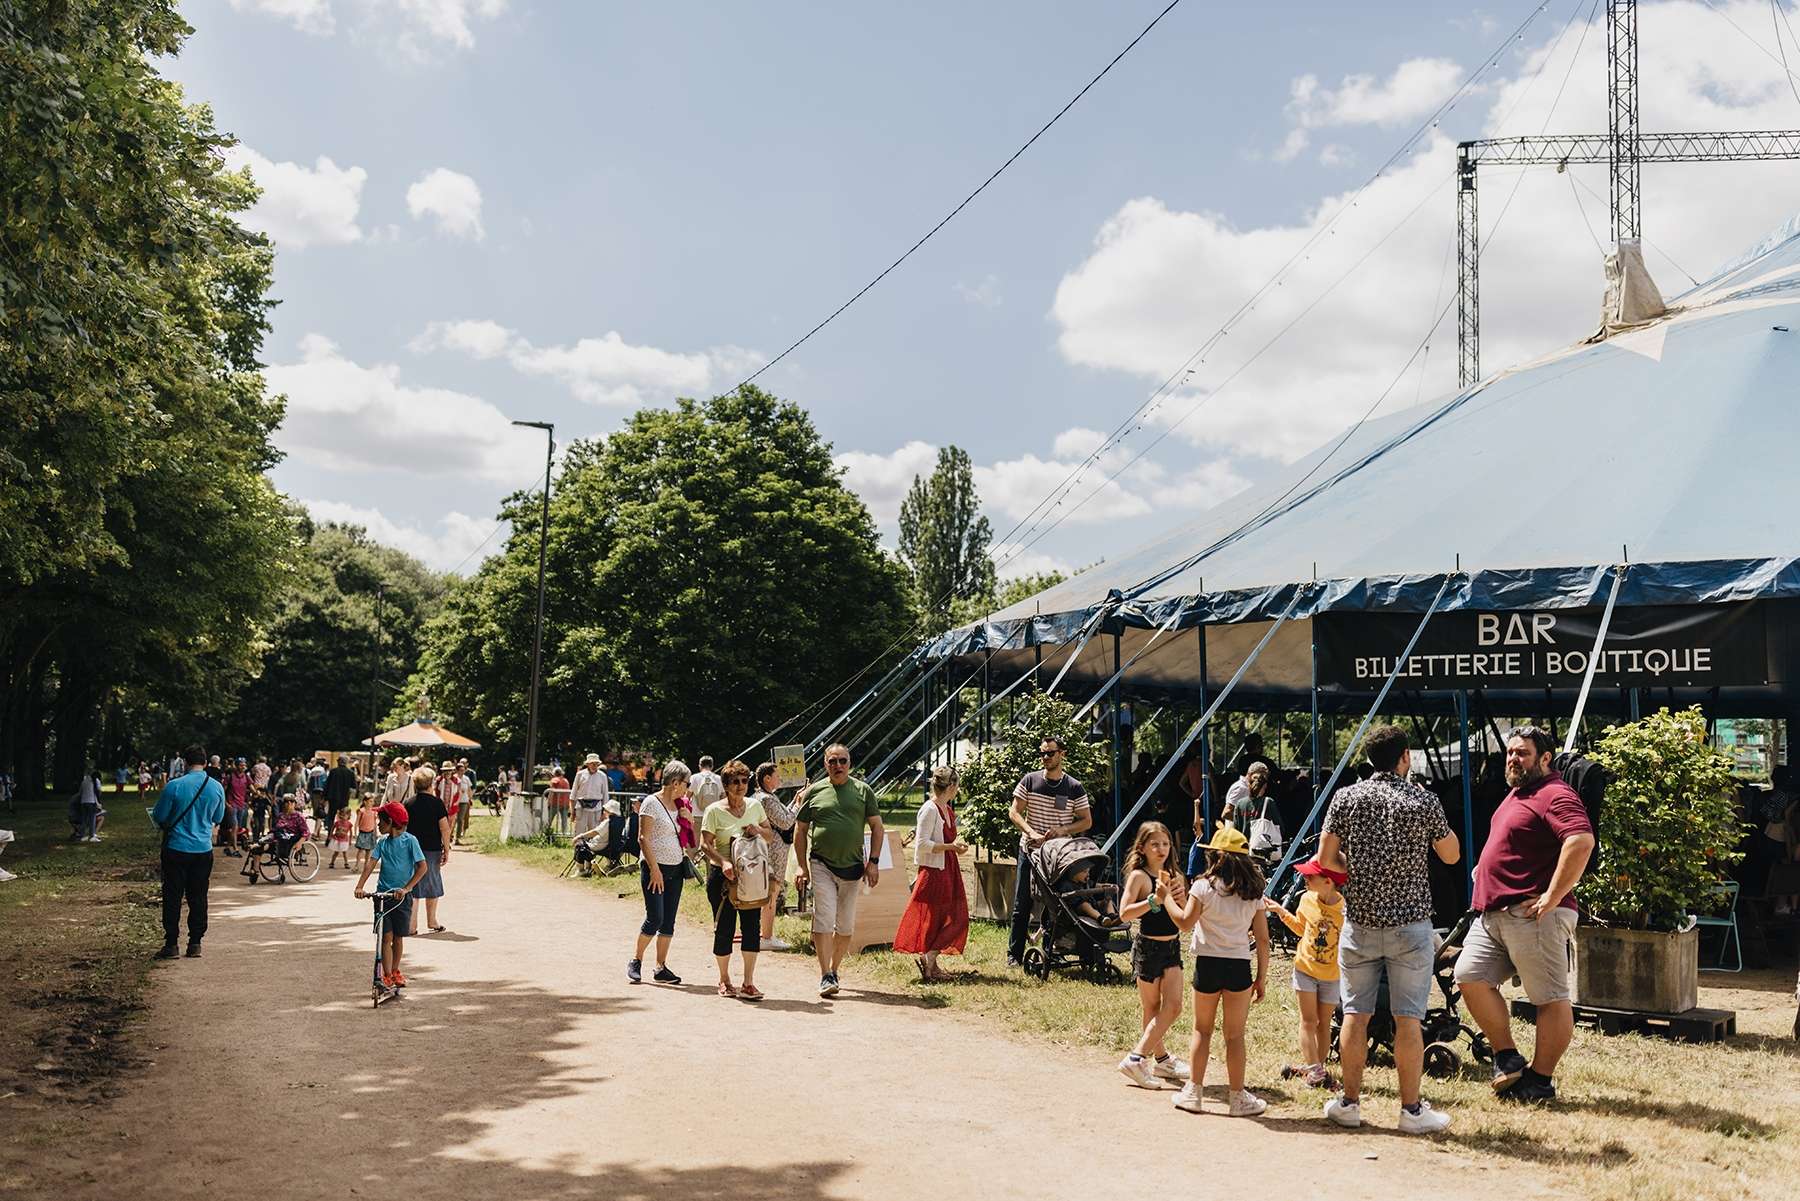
488	209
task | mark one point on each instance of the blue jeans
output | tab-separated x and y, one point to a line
1402	953
660	908
1021	910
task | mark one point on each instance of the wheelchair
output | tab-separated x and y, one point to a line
276	859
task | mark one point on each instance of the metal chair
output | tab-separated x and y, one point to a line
1729	924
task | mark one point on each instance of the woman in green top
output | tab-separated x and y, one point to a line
723	821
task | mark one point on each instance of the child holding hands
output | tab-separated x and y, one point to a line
1317	924
1156	898
1229	910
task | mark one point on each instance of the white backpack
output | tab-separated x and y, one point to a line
750	865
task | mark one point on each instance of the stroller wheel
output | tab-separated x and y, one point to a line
1441	1061
1036	963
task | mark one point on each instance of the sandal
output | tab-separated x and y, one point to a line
726	990
750	992
925	976
439	929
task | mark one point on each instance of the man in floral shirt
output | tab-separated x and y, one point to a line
1382	832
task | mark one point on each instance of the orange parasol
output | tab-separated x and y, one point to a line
423	732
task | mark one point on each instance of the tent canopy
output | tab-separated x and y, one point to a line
423	733
1664	445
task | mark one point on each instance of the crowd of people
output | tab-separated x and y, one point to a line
1365	939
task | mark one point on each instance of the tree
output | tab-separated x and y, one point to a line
312	689
708	574
141	546
944	541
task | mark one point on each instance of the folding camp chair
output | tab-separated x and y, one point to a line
1729	940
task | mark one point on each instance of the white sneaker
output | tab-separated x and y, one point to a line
1172	1068
1188	1098
1426	1121
1246	1104
776	943
1137	1070
1344	1113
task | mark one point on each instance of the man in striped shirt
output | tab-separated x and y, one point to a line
1047	804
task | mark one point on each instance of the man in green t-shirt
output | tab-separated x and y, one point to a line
828	847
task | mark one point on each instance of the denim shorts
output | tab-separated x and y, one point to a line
1325	990
1404	953
1152	957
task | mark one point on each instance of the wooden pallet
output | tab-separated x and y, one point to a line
1694	1026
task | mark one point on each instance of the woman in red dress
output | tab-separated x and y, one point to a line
937	917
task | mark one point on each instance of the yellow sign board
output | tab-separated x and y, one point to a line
790	766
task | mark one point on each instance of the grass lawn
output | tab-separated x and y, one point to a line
76	932
1639	1120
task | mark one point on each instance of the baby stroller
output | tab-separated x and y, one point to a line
1061	937
1442	1026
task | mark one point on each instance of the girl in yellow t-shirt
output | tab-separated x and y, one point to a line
1317	924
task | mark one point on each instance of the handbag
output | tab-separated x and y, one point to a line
1265	835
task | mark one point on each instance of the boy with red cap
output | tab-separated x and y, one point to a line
402	866
1317	924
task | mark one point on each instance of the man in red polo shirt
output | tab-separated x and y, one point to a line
1537	847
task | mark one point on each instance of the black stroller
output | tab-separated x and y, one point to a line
1442	1026
1060	936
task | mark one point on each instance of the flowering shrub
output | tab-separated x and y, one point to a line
989	775
1668	829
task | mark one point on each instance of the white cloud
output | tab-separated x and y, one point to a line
1160	279
882	480
343	416
451	546
478	339
1416	88
308	16
449	20
1077	443
452	199
1012	560
605	370
302	206
985	294
415	26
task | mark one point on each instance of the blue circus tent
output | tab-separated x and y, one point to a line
1663	457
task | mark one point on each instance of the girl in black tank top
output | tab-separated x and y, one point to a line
1157	899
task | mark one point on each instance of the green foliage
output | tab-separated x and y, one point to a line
708	575
990	773
1668	830
313	688
141	546
1025	587
944	542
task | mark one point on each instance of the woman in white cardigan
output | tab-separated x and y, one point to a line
937	917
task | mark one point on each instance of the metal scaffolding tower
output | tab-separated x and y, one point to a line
1622	148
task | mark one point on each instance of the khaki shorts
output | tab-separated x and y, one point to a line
833	900
1503	944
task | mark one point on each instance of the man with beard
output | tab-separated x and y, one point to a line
1537	847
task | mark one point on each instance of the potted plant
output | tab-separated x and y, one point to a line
991	773
1665	843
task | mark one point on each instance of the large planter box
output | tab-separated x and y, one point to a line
1645	970
994	884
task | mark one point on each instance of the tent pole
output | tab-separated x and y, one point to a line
1287	859
1593	663
1098	620
1205	752
1468	791
1119	670
1194	731
1314	629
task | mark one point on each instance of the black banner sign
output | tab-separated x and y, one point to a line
1686	646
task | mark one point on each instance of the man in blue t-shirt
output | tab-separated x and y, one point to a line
188	811
402	867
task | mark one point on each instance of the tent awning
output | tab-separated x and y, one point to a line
423	733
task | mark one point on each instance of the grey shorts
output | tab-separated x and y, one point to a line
834	900
1503	944
1402	953
1326	990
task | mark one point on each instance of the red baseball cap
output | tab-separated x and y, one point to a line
1312	867
395	812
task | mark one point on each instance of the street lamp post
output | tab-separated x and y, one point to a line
537	637
375	680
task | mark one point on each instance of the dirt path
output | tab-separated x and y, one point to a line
522	1065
